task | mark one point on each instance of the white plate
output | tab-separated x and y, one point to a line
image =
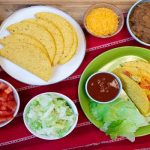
60	71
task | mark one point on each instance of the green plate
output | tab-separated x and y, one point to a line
105	62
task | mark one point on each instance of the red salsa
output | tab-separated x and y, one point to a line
7	103
103	87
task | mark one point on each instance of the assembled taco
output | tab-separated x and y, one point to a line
136	82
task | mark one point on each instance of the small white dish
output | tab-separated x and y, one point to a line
101	101
69	102
16	96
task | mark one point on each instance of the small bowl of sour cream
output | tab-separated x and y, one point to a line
103	87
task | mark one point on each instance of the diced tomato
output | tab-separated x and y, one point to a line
7	103
10	97
148	87
11	105
4	96
145	86
5	113
127	73
3	86
8	90
3	107
148	97
4	119
3	99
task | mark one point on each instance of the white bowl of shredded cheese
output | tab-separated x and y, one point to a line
50	116
103	20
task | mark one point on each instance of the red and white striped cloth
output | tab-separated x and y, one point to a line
85	136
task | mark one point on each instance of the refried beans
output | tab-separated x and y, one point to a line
140	22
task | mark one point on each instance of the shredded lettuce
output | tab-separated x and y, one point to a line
50	116
119	118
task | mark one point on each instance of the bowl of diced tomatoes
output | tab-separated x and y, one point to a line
9	102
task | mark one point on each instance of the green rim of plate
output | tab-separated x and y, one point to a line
98	63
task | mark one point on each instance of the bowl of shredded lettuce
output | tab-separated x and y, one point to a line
50	116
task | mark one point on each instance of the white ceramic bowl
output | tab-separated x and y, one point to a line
17	101
101	102
70	103
128	24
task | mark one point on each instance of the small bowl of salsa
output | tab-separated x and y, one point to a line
103	87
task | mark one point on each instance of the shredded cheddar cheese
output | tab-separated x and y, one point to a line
102	21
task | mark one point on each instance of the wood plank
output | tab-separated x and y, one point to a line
75	8
61	1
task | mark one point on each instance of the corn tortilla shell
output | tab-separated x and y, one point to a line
37	32
55	33
15	38
67	31
139	64
73	50
135	92
29	57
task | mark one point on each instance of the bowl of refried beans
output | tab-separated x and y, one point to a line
138	22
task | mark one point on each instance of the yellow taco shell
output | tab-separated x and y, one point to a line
29	57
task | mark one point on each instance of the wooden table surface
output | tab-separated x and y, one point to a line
75	8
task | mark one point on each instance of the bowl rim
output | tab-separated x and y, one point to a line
99	4
100	102
17	98
67	99
128	24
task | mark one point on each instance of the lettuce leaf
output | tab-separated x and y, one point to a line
119	118
50	116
